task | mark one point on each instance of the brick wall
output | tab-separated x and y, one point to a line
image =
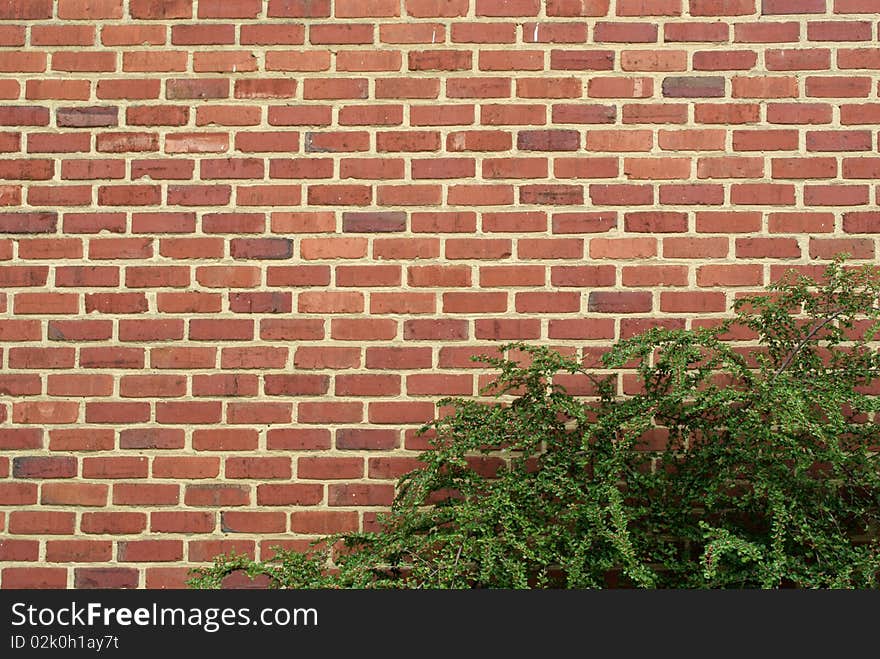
246	245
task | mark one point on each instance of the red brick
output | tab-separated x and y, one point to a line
765	87
298	494
716	60
183	522
839	31
693	302
81	438
730	275
41	522
777	7
799	113
283	60
657	275
78	551
20	550
696	32
806	168
341	33
145	494
766	32
149	551
838	87
726	113
836	195
619	302
767	248
625	32
229	9
694	248
765	140
33	578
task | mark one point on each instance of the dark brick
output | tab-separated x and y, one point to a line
109	577
379	222
548	140
261	248
92	117
696	87
28	222
44	467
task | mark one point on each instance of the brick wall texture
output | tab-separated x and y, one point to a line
247	244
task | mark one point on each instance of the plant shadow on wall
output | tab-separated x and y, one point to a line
727	467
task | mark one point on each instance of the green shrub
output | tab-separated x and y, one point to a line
736	464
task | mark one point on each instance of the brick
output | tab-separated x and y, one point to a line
618	140
21	438
801	222
44	577
41	358
730	167
160	9
554	32
180	88
805	168
625	32
799	113
695	247
829	248
157	116
507	7
26	10
843	140
183	522
105	578
24	116
836	195
693	302
577	8
297	439
81	438
730	275
762	193
217	495
656	168
828	87
330	412
149	551
654	60
511	61
780	7
21	550
621	194
641	8
274	33
765	140
767	248
300	494
227	9
801	59
839	31
299	8
619	302
641	276
38	522
133	35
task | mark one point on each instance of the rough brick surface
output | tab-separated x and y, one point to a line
245	245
